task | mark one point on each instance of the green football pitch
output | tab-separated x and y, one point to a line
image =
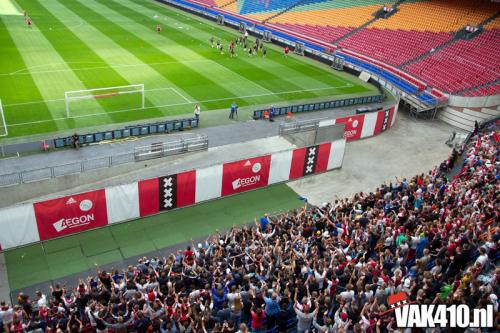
88	44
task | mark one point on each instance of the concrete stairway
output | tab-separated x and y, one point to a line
464	118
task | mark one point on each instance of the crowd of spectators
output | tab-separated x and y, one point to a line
329	268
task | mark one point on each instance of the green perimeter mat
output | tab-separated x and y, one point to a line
55	259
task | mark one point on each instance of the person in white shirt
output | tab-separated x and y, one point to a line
483	257
6	315
197	111
232	296
41	299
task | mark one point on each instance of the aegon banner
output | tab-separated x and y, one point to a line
353	126
67	215
80	212
245	175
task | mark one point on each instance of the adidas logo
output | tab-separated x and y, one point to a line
248	163
70	201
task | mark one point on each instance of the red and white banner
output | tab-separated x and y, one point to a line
309	160
67	215
245	175
167	193
208	183
80	212
18	226
353	126
336	157
384	121
280	167
122	202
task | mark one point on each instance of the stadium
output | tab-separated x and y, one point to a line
249	166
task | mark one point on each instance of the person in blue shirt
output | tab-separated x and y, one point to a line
272	309
418	203
234	111
272	113
219	296
264	222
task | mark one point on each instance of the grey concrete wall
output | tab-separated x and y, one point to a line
302	139
128	173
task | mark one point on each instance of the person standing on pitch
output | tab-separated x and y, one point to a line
197	111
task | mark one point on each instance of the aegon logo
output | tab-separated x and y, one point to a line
243	182
348	134
73	222
410	315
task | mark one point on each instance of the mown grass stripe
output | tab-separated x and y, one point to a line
112	53
61	37
197	41
294	67
149	47
16	89
37	51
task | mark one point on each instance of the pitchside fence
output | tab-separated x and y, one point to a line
155	150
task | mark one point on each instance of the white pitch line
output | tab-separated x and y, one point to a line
177	104
183	97
29	72
63	99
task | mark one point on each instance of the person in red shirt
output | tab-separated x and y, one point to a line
258	321
30	23
189	255
286	51
231	49
158	28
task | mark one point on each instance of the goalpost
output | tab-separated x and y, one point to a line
103	93
3	129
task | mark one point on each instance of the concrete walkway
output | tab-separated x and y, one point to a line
237	131
409	148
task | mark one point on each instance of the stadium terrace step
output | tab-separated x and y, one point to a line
461	64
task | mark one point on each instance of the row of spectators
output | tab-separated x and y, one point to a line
318	269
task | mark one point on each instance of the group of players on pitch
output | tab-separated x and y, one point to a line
258	45
242	41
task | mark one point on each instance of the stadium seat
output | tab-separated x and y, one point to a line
461	65
414	30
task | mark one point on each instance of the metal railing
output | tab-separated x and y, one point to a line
299	126
155	150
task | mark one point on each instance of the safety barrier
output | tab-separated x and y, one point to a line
129	131
155	150
29	223
317	106
63	216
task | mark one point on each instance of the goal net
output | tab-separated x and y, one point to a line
103	100
3	124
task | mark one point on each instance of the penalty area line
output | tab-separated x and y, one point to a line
174	104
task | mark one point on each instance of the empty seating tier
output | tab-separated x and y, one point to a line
437	16
463	64
419	36
394	47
